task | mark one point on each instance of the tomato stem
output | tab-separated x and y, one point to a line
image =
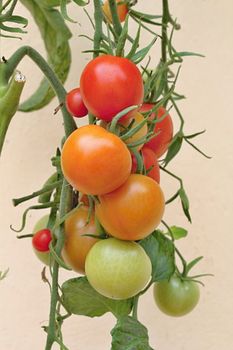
115	18
14	60
98	15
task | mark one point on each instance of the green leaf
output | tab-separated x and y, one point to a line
122	38
50	3
161	252
135	44
141	54
55	34
81	2
129	334
174	147
81	299
192	263
177	232
187	53
185	203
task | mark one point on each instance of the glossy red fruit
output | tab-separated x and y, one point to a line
110	84
75	105
164	129
41	240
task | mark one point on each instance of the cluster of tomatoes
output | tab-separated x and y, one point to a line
101	164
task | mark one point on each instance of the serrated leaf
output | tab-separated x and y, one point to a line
162	255
174	148
129	334
177	232
81	299
185	203
55	34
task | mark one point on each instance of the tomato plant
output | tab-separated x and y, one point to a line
133	210
74	103
176	297
109	84
79	160
128	259
163	129
122	10
150	163
77	245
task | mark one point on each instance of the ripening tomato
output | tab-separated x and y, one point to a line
77	245
74	103
159	144
118	269
133	210
150	162
122	10
110	84
176	297
44	257
95	161
137	118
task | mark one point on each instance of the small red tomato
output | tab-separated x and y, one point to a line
41	240
109	84
75	105
150	162
159	144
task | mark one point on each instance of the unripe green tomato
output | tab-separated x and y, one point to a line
118	269
44	257
176	297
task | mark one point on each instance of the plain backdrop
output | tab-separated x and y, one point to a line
25	164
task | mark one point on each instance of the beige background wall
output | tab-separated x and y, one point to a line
31	141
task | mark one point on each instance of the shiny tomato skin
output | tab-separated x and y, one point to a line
76	245
150	162
160	143
41	240
122	10
176	297
132	211
118	269
95	161
75	105
138	118
110	84
41	224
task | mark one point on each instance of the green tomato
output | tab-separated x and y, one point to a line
44	257
117	269
176	297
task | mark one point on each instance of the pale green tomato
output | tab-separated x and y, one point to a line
176	297
117	269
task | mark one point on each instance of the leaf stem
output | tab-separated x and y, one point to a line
98	15
115	18
14	60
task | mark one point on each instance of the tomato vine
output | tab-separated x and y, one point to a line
91	295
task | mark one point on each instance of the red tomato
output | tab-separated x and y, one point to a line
110	84
132	211
75	105
160	143
150	162
95	161
41	240
77	245
122	10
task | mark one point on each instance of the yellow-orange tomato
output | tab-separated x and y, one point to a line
76	245
122	10
132	211
138	118
95	161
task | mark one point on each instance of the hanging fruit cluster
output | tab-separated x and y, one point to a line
105	200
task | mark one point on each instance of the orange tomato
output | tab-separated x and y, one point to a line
95	161
132	211
122	10
138	118
150	162
76	245
159	144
